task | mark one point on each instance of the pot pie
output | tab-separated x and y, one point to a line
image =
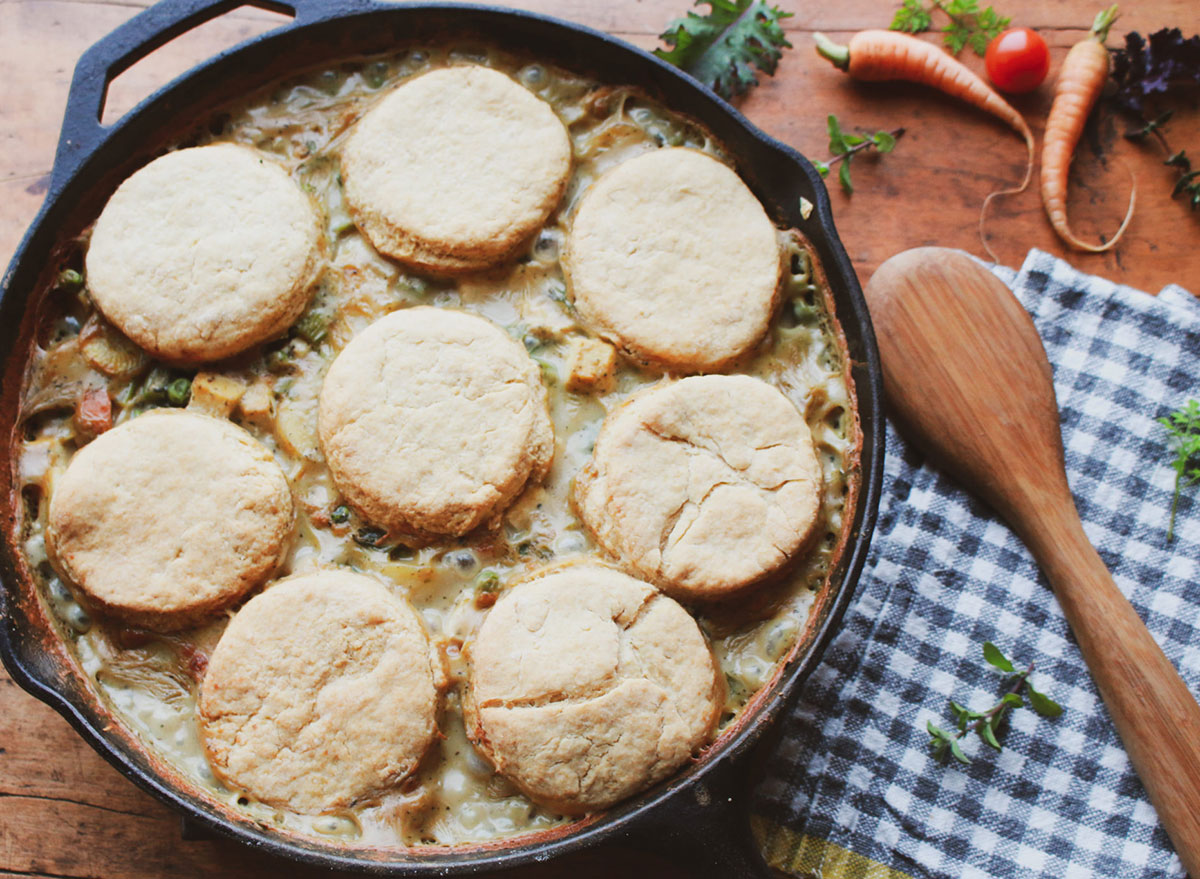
461	562
205	252
648	272
704	486
589	685
455	169
168	518
333	670
432	420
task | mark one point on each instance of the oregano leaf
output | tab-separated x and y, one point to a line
837	143
1043	704
987	732
884	141
844	176
995	658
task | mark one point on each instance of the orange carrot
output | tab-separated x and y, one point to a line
875	55
1083	75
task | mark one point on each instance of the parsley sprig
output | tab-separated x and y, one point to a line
968	26
988	724
723	47
1183	426
842	146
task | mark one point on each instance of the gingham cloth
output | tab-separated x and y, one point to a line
944	575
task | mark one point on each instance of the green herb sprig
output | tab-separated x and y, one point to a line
988	724
843	146
968	26
1183	426
723	47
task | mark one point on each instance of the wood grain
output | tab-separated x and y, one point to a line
965	372
63	809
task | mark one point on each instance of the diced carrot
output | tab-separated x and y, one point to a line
93	412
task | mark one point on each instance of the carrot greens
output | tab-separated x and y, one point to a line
968	24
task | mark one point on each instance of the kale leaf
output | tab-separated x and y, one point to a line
722	48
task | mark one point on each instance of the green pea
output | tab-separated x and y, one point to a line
69	280
179	391
371	538
340	514
376	74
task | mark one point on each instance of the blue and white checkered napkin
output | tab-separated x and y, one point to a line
944	575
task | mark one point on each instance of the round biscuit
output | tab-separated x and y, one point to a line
588	686
169	517
205	252
671	257
432	421
320	694
702	486
455	169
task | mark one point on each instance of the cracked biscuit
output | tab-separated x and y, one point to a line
320	694
671	257
432	422
702	486
588	686
169	517
205	252
455	169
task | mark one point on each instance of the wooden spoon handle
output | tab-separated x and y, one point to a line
1154	713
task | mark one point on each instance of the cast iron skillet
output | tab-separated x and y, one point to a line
698	816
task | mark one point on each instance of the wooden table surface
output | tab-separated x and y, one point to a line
65	813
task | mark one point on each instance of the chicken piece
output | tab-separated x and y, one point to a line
215	394
591	365
257	405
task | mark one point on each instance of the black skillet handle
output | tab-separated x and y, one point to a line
704	827
82	132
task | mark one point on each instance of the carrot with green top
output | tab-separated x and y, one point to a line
1083	74
878	55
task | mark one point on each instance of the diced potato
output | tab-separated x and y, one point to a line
257	405
215	394
591	365
296	418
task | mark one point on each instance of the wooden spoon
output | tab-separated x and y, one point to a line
966	374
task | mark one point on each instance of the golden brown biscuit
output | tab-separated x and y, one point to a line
169	517
432	421
205	252
320	694
672	258
455	169
702	486
588	685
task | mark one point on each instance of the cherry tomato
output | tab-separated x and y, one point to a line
1017	60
